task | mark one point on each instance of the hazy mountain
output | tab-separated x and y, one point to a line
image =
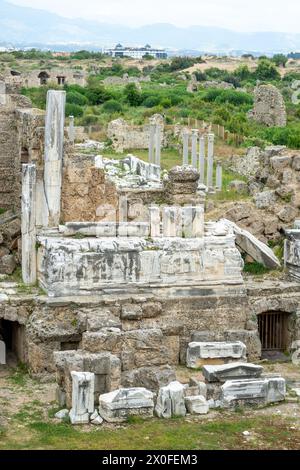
29	26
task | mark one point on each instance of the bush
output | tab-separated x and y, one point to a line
112	106
151	101
237	98
97	95
132	95
266	70
73	97
73	110
89	119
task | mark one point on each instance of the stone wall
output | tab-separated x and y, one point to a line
269	107
125	136
150	331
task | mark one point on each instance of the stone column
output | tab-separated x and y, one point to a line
2	94
158	144
2	353
219	177
202	160
172	222
152	141
83	387
185	138
54	144
71	131
154	221
29	224
210	160
193	225
194	148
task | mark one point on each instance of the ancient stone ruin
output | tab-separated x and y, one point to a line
125	279
269	107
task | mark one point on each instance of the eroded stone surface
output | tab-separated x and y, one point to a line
117	406
231	371
199	352
82	397
170	401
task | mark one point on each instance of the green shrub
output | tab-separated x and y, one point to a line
151	101
73	110
73	97
266	70
132	94
112	106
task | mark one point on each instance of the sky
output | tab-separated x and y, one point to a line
238	15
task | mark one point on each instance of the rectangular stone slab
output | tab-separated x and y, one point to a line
268	390
197	352
235	370
117	406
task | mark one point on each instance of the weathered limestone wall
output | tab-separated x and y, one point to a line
9	160
86	194
125	136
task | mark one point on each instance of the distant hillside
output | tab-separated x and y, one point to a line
29	26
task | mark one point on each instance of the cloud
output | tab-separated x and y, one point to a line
240	15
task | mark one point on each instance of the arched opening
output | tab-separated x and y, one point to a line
274	333
12	333
44	77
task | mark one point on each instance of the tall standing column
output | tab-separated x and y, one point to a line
202	160
29	224
194	147
2	93
219	175
210	160
185	138
71	131
152	141
158	145
54	143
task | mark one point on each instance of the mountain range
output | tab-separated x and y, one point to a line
23	26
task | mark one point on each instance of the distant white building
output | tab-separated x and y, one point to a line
136	52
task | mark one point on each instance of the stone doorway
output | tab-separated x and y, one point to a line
274	334
44	77
13	335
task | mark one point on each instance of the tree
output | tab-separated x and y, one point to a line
132	94
266	70
280	60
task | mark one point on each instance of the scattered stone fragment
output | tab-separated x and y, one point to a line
197	405
62	414
170	401
119	405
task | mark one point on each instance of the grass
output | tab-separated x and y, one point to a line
255	268
178	434
2	211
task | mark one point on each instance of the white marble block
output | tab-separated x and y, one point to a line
264	390
172	222
158	139
235	370
54	143
197	352
193	221
155	229
171	401
197	405
117	406
210	160
83	386
185	138
71	130
2	353
194	148
2	93
202	160
29	268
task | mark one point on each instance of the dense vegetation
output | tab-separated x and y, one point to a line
167	94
